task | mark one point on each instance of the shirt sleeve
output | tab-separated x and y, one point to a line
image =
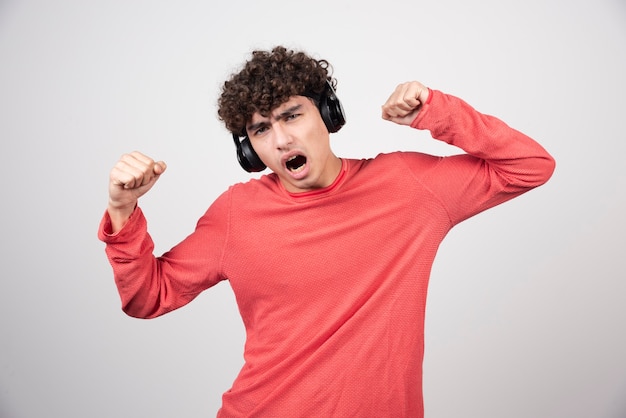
499	162
150	286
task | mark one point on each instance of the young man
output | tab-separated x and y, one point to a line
329	258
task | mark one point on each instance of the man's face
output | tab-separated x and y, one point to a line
294	143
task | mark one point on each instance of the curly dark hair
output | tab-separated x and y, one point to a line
268	80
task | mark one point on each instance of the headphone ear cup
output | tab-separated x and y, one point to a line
247	156
331	110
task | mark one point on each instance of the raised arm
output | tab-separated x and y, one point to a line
148	285
499	162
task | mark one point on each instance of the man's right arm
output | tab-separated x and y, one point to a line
151	286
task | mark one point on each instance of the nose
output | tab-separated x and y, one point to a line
282	136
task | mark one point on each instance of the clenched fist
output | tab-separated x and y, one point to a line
131	177
404	103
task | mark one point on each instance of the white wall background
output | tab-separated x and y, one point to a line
527	306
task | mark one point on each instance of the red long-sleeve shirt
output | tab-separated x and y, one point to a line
331	284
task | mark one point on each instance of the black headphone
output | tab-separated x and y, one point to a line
332	114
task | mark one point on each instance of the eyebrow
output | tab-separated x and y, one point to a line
289	111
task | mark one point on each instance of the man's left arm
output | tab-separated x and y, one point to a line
500	162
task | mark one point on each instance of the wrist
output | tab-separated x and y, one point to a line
119	215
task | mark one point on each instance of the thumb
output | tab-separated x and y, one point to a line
402	119
159	168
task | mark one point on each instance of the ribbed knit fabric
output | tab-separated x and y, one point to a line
332	284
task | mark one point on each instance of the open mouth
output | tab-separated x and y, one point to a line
296	163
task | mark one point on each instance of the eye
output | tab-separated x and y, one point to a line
292	116
260	130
